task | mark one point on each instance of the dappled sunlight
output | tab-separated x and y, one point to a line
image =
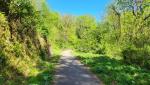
78	42
71	72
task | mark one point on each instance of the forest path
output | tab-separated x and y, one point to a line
71	72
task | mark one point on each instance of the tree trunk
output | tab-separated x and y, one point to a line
49	50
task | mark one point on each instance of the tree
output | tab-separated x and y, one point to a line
86	26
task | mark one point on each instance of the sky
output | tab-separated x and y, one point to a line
96	8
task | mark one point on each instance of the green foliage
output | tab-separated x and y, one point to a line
17	48
41	74
137	56
29	31
21	44
84	25
4	29
21	8
113	71
124	32
88	35
3	21
46	70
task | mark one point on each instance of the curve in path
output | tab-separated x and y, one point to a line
71	72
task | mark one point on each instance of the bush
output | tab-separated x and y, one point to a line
138	56
3	27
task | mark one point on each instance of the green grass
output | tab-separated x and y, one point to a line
41	74
115	72
46	73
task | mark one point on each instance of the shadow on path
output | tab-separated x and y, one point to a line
71	72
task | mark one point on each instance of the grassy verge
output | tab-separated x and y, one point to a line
114	72
46	72
39	74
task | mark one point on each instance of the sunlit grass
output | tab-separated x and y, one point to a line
112	71
32	73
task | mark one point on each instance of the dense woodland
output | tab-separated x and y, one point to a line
31	36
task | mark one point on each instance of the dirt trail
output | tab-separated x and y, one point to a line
71	72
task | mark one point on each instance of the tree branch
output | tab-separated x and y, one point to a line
147	17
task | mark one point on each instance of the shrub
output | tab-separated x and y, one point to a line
138	56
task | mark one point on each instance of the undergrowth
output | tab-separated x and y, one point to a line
39	74
113	71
